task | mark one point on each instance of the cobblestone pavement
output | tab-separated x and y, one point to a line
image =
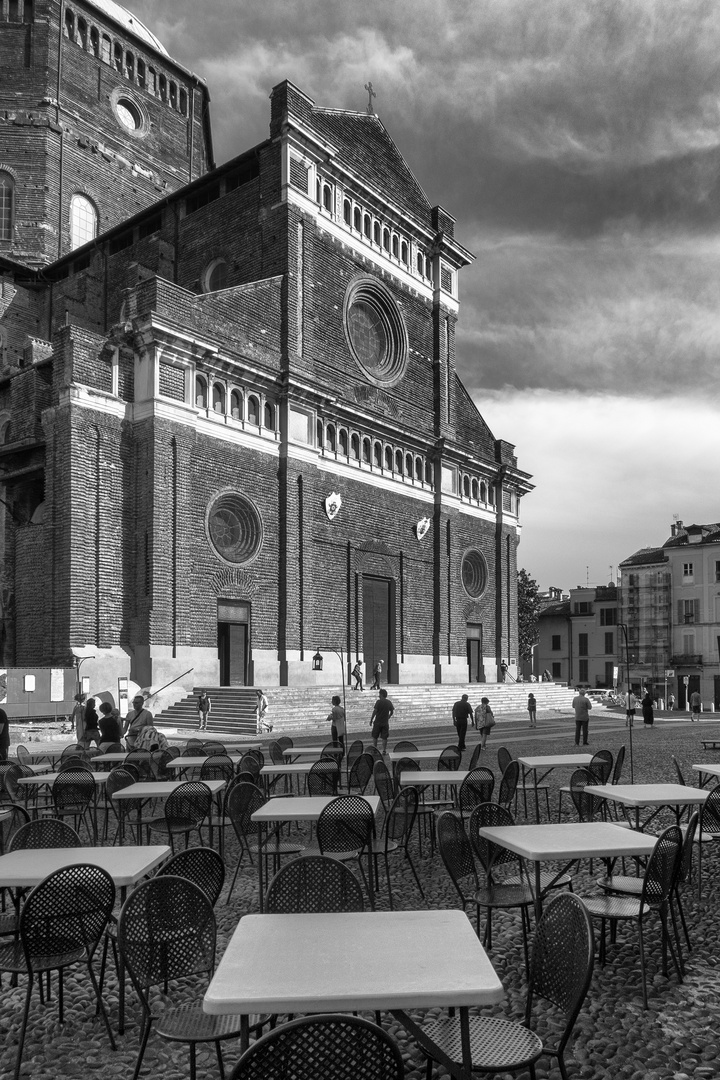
675	1038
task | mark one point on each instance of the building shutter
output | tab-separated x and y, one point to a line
696	611
681	613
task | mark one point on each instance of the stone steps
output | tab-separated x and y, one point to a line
304	710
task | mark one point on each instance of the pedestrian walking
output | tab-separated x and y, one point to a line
338	723
695	706
380	720
532	710
377	672
204	706
109	725
260	710
92	731
647	710
77	717
671	702
582	706
357	675
486	722
462	711
630	707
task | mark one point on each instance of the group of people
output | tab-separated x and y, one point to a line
482	719
104	727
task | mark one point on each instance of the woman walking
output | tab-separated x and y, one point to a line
647	710
487	721
532	710
337	723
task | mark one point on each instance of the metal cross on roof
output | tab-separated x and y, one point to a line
371	95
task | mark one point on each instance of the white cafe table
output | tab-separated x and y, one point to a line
145	790
112	757
291	769
196	762
567	843
545	764
310	751
41	779
127	866
416	755
292	964
706	771
297	808
238	745
52	751
434	777
635	796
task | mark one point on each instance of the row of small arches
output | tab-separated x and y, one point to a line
477	490
369	452
242	406
19	12
123	60
361	222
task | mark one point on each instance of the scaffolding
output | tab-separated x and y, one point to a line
645	596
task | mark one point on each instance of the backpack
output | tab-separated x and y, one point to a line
151	739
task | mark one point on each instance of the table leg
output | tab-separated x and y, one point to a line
261	833
460	1070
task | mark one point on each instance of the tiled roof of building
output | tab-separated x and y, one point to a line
645	557
562	608
130	22
710	535
363	145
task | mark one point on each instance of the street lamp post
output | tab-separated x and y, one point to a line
317	664
628	711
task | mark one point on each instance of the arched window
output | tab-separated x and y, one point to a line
200	392
215	277
428	472
319	433
366	451
343	442
355	447
474	490
83	221
173	95
7	205
367	225
163	88
69	24
377	454
395	246
141	78
398	461
330	438
376	232
269	416
420	263
106	45
418	469
408	465
318	190
236	405
152	81
347	212
404	252
428	269
130	66
82	33
466	486
118	55
386	239
327	198
183	102
94	39
218	397
388	458
253	410
357	219
28	11
483	492
491	494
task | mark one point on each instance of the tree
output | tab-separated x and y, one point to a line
528	611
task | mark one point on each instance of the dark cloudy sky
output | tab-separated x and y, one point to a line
577	142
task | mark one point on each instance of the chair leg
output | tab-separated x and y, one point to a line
417	879
23	1028
642	964
144	1036
98	995
221	1067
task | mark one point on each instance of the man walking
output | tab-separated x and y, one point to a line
377	672
582	706
380	720
695	705
462	712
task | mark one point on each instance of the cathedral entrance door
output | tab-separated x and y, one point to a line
476	669
233	642
378	643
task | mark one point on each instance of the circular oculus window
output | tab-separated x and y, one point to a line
129	113
375	331
474	573
234	528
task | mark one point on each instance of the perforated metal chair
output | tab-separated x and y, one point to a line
202	865
167	932
212	748
142	760
404	746
560	972
360	774
45	833
314	884
395	836
476	788
508	785
12	818
659	881
345	831
218	767
60	925
186	809
323	778
73	795
243	801
326	1047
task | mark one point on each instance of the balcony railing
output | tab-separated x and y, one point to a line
686	660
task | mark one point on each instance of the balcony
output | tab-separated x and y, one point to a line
685	660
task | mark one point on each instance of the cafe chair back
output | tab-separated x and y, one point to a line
315	884
325	1047
201	865
45	833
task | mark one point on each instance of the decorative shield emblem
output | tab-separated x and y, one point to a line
332	505
422	527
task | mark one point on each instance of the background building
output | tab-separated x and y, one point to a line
232	431
671	604
578	637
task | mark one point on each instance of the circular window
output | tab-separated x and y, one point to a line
375	331
234	527
129	113
474	573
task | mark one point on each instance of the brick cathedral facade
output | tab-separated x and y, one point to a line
231	428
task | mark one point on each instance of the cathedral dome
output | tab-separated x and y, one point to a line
129	22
